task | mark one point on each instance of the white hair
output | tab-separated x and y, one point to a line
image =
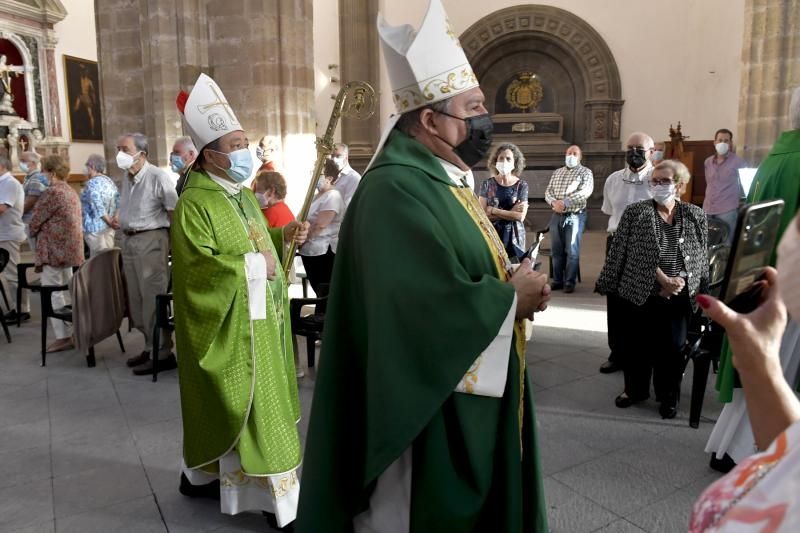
794	110
648	141
187	143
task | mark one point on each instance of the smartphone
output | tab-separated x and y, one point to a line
753	243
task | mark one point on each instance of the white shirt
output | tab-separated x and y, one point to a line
13	197
330	200
623	188
457	175
347	183
146	198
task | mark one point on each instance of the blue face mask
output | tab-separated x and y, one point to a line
241	165
23	166
176	162
320	183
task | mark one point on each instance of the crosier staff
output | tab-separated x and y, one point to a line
355	100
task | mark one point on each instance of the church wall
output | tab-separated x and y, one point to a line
75	38
326	55
681	62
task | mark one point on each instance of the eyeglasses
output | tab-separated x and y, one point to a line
660	181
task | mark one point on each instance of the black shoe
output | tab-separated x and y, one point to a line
609	367
668	411
210	490
724	465
556	286
623	402
163	365
137	360
11	316
569	289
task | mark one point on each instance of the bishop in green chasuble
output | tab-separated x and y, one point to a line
238	386
418	293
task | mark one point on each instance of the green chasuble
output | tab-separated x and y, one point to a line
237	376
778	177
415	298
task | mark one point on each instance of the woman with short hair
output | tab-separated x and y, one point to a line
657	265
57	226
504	197
270	187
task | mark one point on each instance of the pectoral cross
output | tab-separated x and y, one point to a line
257	236
220	102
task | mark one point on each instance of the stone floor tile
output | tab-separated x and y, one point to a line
163	469
559	453
76	402
42	527
160	436
547	374
104	424
95	489
81	454
201	515
569	512
665	516
620	526
25	436
135	516
24	466
14	412
584	362
615	484
25	505
27	391
148	405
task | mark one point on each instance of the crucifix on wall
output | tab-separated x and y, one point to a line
6	73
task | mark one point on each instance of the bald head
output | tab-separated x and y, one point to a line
640	139
574	150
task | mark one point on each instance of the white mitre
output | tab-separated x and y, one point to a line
206	112
425	66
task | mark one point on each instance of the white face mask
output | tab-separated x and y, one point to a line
339	160
125	161
662	193
262	200
571	161
505	167
658	155
789	269
722	148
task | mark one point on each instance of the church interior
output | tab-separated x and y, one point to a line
98	449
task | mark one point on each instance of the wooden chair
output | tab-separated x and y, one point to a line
309	326
165	319
46	292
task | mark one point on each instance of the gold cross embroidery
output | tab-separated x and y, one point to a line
257	235
220	102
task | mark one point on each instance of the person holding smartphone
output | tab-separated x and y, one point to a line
657	265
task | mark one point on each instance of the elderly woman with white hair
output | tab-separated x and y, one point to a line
99	204
657	265
504	197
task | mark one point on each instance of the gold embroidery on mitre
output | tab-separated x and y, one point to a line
433	89
525	93
451	33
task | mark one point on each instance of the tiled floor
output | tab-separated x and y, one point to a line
98	450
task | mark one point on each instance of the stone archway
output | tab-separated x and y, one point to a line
564	39
576	67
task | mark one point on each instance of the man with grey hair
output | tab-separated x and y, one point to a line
33	185
12	233
181	159
147	201
623	188
99	204
348	179
778	177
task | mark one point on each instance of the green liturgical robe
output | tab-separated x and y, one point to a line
416	296
778	177
236	368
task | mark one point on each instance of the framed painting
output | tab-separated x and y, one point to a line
83	99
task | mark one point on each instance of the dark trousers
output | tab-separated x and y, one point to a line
318	270
655	335
614	319
566	231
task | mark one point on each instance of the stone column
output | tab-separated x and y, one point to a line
52	118
358	50
771	70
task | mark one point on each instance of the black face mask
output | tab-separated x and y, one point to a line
636	158
478	141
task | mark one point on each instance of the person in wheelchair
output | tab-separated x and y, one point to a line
657	265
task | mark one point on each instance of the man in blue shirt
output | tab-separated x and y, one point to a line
99	204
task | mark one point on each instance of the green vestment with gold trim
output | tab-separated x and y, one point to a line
237	375
415	298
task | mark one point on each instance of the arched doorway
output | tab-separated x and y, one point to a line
556	60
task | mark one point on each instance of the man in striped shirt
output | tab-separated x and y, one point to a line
569	189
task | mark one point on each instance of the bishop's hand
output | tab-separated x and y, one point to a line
532	290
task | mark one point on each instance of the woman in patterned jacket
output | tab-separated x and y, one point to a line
657	265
